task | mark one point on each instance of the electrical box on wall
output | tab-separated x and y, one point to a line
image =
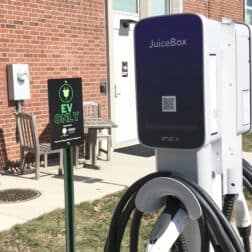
18	81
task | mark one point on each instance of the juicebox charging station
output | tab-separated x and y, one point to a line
193	83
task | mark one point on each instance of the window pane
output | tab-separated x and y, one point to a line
125	5
159	7
249	3
249	16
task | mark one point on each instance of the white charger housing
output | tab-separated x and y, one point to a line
243	76
193	83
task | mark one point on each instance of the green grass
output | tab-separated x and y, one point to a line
47	233
247	143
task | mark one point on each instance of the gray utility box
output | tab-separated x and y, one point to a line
18	81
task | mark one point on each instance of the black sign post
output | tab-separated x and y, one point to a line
66	126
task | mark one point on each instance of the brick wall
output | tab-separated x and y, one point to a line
58	39
216	9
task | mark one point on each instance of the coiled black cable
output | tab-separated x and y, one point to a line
211	211
247	184
180	244
216	226
247	175
134	230
245	234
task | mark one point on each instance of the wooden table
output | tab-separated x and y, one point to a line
93	125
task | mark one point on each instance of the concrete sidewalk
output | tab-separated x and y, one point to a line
90	184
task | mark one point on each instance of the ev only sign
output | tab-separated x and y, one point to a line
65	112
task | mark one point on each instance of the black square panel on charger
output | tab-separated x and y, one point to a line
169	81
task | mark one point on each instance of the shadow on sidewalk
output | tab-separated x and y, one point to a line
136	150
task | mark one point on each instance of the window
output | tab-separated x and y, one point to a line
248	11
159	7
125	5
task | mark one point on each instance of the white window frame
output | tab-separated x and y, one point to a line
126	12
247	7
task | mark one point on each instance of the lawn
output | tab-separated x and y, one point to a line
47	233
247	143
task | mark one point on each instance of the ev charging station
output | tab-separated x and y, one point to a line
193	89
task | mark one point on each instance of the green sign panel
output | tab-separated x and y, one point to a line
65	112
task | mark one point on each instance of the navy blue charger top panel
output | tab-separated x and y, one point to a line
169	81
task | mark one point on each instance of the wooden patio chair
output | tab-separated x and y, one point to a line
29	142
93	110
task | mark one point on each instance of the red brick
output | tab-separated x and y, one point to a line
216	9
50	36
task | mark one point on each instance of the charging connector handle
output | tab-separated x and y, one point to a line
243	221
242	215
214	220
166	240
